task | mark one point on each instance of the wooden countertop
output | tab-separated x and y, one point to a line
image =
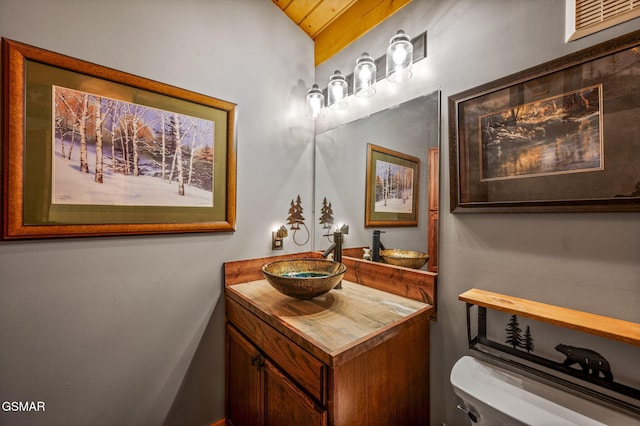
334	324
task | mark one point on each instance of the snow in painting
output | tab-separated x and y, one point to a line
394	188
111	152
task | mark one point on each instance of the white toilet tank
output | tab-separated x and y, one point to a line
496	396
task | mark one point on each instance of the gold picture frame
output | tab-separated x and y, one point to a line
54	105
392	187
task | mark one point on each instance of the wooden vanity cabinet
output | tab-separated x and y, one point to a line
245	382
356	356
263	395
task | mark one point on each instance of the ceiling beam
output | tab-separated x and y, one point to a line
323	15
352	24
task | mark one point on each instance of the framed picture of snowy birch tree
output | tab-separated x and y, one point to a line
91	151
558	137
391	197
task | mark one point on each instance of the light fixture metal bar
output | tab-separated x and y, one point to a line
419	52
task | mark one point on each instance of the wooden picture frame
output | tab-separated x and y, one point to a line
392	187
80	139
558	137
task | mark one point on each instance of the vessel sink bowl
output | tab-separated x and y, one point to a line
304	278
406	258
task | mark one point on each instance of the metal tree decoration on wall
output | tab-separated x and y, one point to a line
295	219
326	214
295	214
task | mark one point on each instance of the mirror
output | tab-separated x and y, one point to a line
411	128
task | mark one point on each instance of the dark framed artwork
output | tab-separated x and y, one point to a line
561	136
91	151
391	194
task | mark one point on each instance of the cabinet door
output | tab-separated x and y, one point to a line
286	404
244	387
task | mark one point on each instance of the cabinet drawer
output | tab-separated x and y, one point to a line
301	366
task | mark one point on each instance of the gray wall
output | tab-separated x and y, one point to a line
129	331
588	262
136	338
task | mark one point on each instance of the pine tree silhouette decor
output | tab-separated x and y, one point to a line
295	217
514	333
326	214
515	337
528	341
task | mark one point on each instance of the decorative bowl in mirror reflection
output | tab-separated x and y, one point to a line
405	258
304	278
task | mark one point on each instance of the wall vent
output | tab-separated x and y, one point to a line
586	17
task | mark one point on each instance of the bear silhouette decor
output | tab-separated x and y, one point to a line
592	362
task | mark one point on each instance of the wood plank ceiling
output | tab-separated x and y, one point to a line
333	24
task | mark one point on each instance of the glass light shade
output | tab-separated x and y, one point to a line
338	90
364	76
315	102
399	57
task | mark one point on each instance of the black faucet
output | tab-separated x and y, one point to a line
336	248
376	246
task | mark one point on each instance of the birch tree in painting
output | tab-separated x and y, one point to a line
82	130
114	108
201	155
177	158
136	131
124	142
99	155
163	146
59	122
194	128
136	148
68	106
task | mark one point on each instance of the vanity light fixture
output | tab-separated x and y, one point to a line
395	65
315	102
338	91
364	76
399	57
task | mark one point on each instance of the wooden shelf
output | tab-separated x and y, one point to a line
611	328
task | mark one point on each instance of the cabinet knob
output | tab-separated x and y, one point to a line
257	361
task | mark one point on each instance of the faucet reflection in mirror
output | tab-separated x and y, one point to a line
376	245
401	53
